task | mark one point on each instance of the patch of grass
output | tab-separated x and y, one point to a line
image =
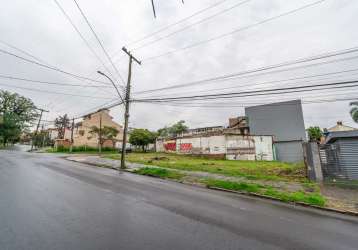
311	198
81	150
311	187
160	173
237	186
264	170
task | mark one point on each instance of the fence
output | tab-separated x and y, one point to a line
335	168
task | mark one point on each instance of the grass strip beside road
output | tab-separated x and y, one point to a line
300	196
160	173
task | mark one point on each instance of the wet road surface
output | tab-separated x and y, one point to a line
47	202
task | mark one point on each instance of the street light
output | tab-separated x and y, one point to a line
114	85
120	96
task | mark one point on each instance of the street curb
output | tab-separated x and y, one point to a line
91	164
292	203
233	191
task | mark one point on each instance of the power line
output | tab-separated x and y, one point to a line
265	68
53	83
235	31
193	24
175	23
258	100
46	63
99	41
251	93
52	92
49	67
82	37
24	52
254	103
272	82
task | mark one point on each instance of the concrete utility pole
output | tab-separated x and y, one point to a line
72	128
127	101
100	132
37	127
43	135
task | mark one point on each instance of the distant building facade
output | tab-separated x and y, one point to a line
82	135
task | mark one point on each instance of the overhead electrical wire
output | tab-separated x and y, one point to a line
99	41
267	99
49	67
82	37
269	82
56	100
253	92
256	103
265	68
234	31
53	83
290	90
52	92
24	52
175	23
192	24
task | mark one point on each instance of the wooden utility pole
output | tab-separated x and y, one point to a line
127	101
72	128
37	128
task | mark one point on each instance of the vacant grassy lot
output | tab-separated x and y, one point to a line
252	170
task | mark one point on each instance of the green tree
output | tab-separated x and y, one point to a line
173	130
61	123
10	130
354	111
110	133
314	133
106	133
142	137
16	114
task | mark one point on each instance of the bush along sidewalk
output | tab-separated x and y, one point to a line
310	198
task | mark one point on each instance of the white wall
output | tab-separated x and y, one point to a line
263	148
235	147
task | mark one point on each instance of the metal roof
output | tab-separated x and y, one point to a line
333	136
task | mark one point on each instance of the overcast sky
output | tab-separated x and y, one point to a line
40	28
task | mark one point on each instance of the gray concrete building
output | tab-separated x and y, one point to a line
284	121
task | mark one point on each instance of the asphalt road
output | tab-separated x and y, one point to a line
50	203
